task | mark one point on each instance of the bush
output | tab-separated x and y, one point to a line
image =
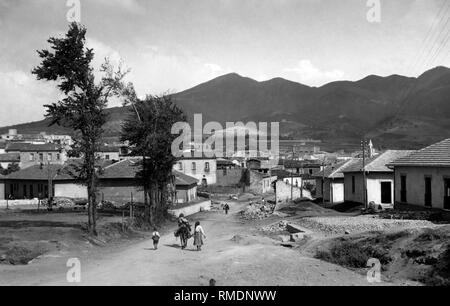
353	255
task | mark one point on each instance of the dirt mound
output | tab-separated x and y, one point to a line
357	224
304	209
258	211
421	255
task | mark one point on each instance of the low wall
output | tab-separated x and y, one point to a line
284	192
19	204
191	209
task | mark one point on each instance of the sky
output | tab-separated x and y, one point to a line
173	45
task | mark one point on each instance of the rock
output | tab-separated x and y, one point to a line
296	237
284	238
347	233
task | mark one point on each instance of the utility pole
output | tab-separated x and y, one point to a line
364	173
323	180
50	186
292	176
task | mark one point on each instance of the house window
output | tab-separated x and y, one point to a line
31	156
353	184
49	156
58	156
207	167
41	157
180	166
107	157
194	166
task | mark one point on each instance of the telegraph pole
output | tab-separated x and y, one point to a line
292	177
364	173
323	181
50	187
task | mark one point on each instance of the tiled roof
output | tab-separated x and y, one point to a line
29	147
436	155
128	169
10	157
289	164
68	171
182	179
107	149
377	163
336	170
35	173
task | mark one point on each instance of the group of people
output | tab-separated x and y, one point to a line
184	232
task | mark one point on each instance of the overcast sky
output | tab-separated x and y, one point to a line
172	45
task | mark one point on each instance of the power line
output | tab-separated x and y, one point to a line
438	51
422	49
430	39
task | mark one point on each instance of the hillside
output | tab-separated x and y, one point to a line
396	111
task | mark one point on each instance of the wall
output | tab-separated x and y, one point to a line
2	191
296	181
334	190
25	161
199	173
260	183
186	195
284	192
119	191
70	190
374	181
191	209
229	177
110	155
415	184
19	204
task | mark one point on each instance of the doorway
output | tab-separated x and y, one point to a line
447	193
428	195
386	193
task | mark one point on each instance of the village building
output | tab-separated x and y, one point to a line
423	177
379	179
117	183
202	168
330	182
7	159
112	153
35	154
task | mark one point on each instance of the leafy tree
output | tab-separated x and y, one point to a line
148	131
13	167
83	106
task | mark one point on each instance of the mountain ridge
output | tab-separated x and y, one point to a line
397	111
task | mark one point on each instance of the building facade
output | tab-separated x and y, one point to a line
423	178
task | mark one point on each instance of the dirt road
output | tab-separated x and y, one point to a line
234	254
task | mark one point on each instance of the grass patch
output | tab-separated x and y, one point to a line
18	255
353	254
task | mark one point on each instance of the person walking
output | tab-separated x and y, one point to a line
199	235
226	208
155	237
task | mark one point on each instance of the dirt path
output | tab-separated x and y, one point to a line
248	259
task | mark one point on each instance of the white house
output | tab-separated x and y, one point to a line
330	182
202	168
423	177
379	178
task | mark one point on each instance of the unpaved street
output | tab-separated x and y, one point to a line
246	259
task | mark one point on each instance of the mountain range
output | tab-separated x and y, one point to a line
394	111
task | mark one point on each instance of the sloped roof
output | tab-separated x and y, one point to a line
10	157
128	168
35	173
182	179
29	147
436	155
68	171
377	163
336	170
